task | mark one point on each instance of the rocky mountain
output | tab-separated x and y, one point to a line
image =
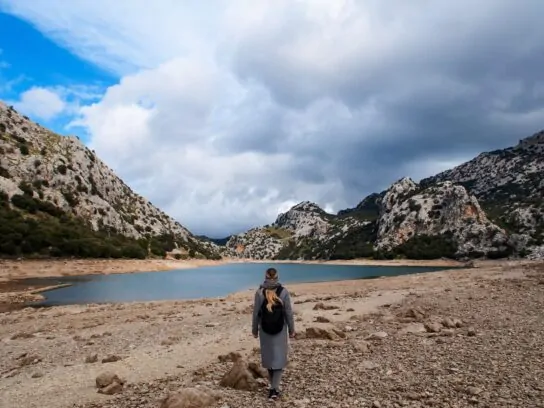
57	197
491	206
305	231
509	184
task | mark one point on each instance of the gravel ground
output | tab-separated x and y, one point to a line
452	339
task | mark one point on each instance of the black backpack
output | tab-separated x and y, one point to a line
272	322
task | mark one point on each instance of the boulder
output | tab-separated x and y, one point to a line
189	398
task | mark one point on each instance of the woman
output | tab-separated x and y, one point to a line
272	317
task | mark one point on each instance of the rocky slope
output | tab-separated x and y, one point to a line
305	231
491	206
444	212
509	184
47	174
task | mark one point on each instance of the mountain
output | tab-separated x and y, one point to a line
217	241
58	198
491	206
305	231
509	184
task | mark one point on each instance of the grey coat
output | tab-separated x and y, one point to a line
274	348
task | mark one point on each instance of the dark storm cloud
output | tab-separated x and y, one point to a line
454	87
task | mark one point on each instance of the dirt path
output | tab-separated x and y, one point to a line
161	344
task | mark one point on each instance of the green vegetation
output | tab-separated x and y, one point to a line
358	243
427	247
278	233
36	228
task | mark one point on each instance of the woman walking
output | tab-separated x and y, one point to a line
272	318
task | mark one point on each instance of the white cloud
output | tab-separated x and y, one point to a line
228	112
41	103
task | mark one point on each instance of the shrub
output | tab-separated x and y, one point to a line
61	168
4	172
24	149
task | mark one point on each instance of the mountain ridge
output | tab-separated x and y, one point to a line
51	176
490	206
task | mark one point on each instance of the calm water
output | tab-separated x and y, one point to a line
202	282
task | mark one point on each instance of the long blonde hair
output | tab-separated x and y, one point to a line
271	295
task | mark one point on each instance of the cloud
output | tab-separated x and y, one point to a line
41	103
225	115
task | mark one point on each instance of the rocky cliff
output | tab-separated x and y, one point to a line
491	206
44	176
509	184
303	232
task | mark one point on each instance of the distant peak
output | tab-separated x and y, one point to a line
306	206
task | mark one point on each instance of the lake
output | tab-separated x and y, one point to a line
212	281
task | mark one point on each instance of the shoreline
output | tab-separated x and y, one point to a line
387	326
19	270
23	281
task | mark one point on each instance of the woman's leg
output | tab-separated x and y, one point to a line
276	379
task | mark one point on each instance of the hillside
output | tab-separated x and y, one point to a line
305	231
509	184
58	198
491	206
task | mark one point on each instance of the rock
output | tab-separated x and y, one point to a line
360	346
323	306
369	365
322	319
257	370
377	336
190	398
211	325
458	322
433	327
111	359
413	328
474	390
232	356
37	374
448	323
239	377
413	313
22	335
107	378
113	388
319	333
26	360
471	332
90	359
339	333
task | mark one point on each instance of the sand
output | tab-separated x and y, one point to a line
162	344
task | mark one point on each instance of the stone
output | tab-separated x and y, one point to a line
377	336
113	388
190	398
111	359
107	378
323	306
433	327
239	377
90	359
360	346
319	333
232	356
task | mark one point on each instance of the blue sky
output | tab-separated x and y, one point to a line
28	59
